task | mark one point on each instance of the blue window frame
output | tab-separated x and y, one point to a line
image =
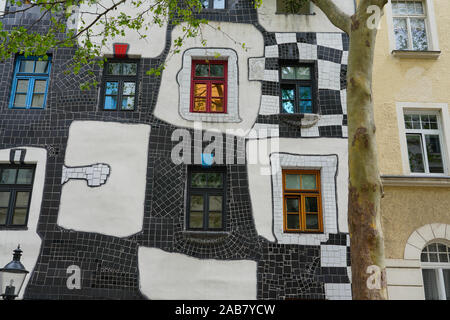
30	83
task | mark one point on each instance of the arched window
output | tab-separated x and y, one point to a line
436	271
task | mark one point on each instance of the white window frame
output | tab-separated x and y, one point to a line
441	110
2	6
430	25
438	267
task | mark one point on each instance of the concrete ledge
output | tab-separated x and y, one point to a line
419	181
409	54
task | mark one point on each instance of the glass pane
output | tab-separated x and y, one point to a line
217	70
287	94
432	247
446	273
41	67
410	8
8	176
3	215
196	219
412	121
215	220
293	181
129	88
288	73
129	69
424	257
312	222
219	4
293	222
110	102
311	204
38	100
303	73
309	182
22	199
198	180
201	70
419	34
434	155
288	106
430	284
399	8
217	105
112	88
414	142
401	34
205	3
25	176
433	257
20	216
305	93
200	89
217	90
419	7
20	100
306	106
26	66
292	205
215	203
214	180
443	257
442	248
429	122
114	68
40	86
4	199
200	105
22	86
128	103
196	203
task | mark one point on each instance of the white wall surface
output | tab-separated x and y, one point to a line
29	241
300	23
175	276
168	98
261	186
117	207
150	46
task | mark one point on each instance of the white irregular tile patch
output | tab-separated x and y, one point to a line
333	256
117	207
95	175
338	291
174	276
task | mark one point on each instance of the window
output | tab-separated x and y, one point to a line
209	86
302	201
214	4
423	139
293	7
120	85
436	271
30	83
410	25
297	89
16	182
206	198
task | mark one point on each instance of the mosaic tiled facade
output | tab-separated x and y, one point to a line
109	264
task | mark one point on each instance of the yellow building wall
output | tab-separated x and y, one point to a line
396	79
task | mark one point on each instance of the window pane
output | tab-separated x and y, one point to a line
288	106
429	122
217	90
3	215
217	105
311	204
433	257
25	176
129	88
292	205
40	86
22	199
412	121
196	219
399	8
312	222
38	100
41	67
215	203
214	180
305	93
303	73
129	69
200	104
446	273
410	8
26	66
430	284
112	88
205	3
288	73
293	221
4	199
20	100
293	181
414	142
217	70
401	34
200	89
8	176
22	86
309	182
434	154
219	4
196	203
19	217
114	68
110	102
128	103
198	180
306	106
201	70
215	220
443	257
288	94
419	7
419	34
423	257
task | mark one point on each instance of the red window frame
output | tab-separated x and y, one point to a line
209	81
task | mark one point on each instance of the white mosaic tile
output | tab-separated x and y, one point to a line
285	38
332	40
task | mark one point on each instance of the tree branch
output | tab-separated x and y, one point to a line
337	17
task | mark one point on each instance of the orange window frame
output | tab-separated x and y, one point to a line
301	195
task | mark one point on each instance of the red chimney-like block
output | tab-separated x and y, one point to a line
120	50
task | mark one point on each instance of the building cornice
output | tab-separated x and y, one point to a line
419	181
